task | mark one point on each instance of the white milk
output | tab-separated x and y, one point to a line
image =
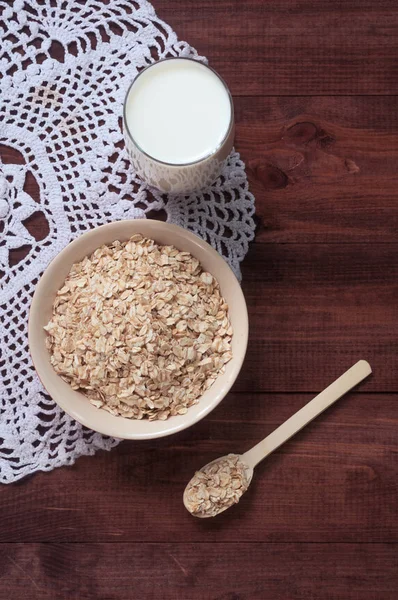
178	111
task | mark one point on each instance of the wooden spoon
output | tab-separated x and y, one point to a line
295	423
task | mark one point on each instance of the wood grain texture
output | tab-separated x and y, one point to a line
294	47
336	481
314	309
321	169
198	572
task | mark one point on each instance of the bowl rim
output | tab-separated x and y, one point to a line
111	429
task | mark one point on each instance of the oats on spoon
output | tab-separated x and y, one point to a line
217	486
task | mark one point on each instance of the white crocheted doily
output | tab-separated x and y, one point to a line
62	120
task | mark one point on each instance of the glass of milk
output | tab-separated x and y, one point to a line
178	123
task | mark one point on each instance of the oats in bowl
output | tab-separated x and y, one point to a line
140	329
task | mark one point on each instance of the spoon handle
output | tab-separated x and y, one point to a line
306	414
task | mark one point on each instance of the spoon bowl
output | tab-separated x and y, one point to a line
248	475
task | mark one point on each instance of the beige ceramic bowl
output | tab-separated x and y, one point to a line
77	405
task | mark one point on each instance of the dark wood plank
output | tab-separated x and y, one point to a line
315	309
205	572
292	47
321	169
336	481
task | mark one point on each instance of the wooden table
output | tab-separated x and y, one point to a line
315	87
